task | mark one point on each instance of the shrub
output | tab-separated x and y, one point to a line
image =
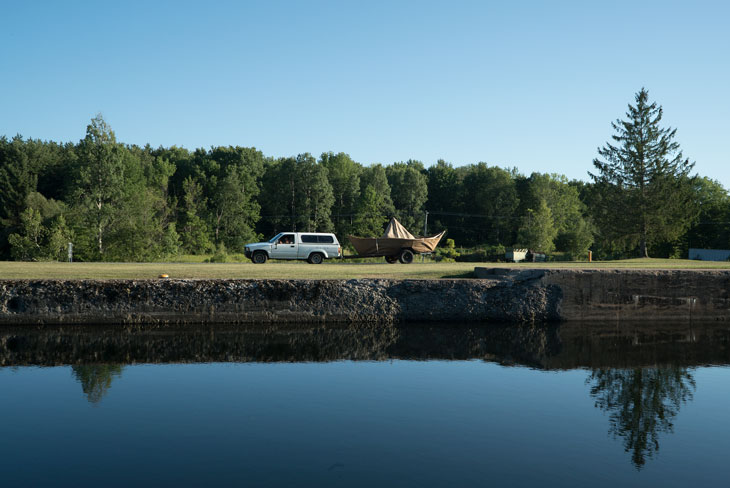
447	253
220	256
483	255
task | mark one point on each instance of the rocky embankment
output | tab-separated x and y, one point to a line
272	301
497	295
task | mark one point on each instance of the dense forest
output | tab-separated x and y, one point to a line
121	202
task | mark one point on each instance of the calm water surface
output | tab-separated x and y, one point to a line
415	406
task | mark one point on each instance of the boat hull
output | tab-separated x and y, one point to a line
390	246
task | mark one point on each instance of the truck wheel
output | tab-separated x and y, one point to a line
315	258
406	256
391	259
259	257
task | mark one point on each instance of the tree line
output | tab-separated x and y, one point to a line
122	202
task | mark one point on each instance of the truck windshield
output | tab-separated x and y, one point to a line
273	239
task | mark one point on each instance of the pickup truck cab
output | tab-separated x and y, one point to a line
312	246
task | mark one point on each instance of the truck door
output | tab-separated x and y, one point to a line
307	245
285	247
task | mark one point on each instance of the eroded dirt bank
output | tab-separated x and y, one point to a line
498	295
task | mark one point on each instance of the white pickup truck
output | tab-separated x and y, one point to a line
312	246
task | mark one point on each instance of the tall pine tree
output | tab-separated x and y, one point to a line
643	180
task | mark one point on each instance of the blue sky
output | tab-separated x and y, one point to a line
528	84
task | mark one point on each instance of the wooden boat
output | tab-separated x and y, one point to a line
395	244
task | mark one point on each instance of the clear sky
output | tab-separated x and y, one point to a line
528	84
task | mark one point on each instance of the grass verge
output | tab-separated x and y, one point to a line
302	270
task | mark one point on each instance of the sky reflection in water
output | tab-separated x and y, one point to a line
394	422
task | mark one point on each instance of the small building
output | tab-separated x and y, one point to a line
516	255
709	254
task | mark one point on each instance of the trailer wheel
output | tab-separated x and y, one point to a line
391	259
406	256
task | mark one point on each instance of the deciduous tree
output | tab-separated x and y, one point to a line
537	229
195	233
314	194
573	228
344	175
369	220
99	184
409	192
491	192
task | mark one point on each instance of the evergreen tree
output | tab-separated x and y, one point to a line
646	190
17	180
641	404
56	169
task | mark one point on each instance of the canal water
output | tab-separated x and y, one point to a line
429	405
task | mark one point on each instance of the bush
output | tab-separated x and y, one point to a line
491	254
220	256
446	254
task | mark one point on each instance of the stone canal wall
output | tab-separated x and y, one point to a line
497	295
630	295
665	295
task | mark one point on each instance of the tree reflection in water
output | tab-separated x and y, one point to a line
96	379
641	404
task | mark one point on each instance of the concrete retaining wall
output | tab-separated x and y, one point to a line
628	295
499	295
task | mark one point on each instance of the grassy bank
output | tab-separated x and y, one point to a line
302	270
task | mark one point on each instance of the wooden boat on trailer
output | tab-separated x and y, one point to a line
396	244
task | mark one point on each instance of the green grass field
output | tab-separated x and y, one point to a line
302	270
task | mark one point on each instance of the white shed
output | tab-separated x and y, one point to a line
516	255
